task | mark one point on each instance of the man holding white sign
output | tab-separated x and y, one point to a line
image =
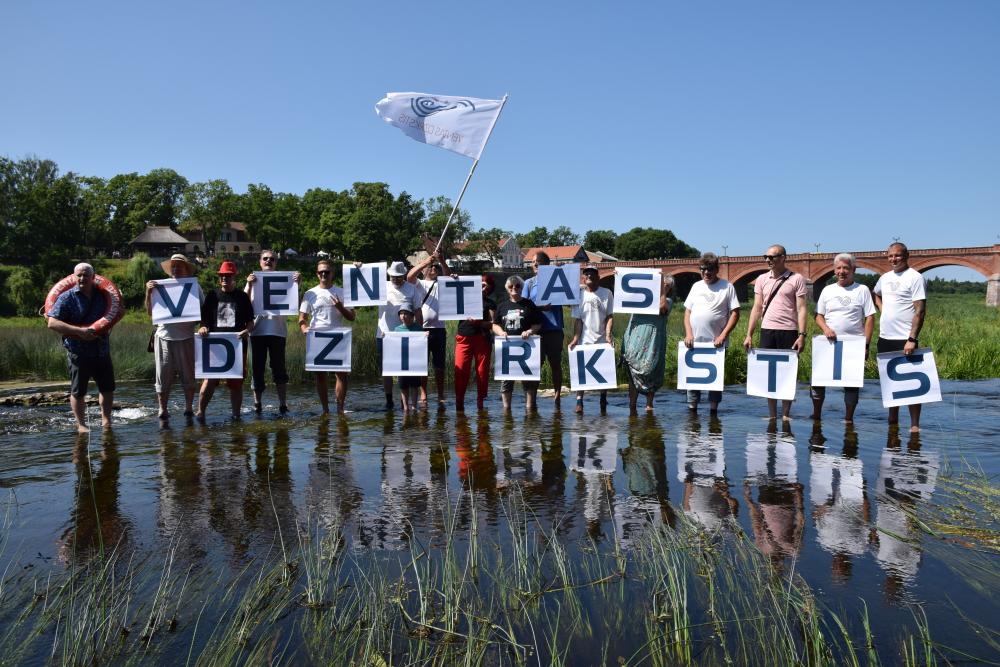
901	297
561	287
321	313
846	315
518	317
226	309
275	297
594	317
711	311
175	308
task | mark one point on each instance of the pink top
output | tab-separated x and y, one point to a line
781	314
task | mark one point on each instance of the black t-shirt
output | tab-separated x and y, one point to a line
226	311
467	328
515	318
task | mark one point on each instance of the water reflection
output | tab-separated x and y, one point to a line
332	495
701	467
777	518
594	458
96	523
840	507
180	513
644	463
906	479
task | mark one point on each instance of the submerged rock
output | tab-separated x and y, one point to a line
47	398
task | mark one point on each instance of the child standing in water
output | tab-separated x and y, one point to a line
409	385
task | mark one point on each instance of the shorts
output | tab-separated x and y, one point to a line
778	339
409	381
552	346
890	345
851	394
173	356
507	386
262	347
82	369
436	339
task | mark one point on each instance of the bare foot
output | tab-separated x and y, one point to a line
82	428
107	426
914	429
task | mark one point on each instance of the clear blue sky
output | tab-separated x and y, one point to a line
843	124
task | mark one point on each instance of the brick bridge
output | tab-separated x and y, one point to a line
817	268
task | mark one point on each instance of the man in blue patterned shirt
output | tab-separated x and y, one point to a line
87	352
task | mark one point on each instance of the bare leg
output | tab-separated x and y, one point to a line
323	392
107	401
207	390
579	402
633	398
530	398
78	404
258	399
849	413
236	400
915	418
188	399
505	398
894	415
772	408
404	398
557	382
161	402
439	379
423	390
818	409
649	402
786	411
387	389
341	391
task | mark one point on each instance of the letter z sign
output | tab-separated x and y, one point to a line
329	350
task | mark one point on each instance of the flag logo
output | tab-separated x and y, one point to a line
428	106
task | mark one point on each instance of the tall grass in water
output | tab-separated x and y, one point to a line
677	596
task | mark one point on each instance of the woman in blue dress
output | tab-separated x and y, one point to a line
644	350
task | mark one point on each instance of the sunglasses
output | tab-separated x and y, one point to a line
771	258
225	276
267	259
705	269
323	273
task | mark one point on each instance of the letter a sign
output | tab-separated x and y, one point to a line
558	285
218	356
329	350
176	300
404	353
702	367
772	373
908	380
592	367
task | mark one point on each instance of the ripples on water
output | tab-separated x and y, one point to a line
830	502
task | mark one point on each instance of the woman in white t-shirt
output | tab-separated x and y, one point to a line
323	308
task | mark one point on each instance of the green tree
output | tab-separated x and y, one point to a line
157	198
487	242
600	240
256	211
380	226
651	243
563	235
25	292
536	238
437	210
207	207
322	214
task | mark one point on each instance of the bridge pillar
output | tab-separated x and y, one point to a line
993	290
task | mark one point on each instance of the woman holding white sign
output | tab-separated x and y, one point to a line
517	317
644	350
322	309
844	308
173	343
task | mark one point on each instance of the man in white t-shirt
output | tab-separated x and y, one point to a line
844	308
431	268
901	297
711	311
399	293
593	320
323	308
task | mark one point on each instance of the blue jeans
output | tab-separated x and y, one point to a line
694	397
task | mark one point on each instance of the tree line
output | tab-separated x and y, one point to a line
50	216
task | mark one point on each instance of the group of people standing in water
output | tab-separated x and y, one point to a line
711	312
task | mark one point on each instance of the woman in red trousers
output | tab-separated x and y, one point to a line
473	343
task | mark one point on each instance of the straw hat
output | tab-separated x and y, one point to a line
177	257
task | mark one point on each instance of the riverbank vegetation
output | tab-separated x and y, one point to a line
960	329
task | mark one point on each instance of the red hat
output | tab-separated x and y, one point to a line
227	269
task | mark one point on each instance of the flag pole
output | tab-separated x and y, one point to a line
475	163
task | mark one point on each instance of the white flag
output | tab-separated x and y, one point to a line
459	124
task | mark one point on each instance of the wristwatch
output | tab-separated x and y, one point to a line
802	334
911	339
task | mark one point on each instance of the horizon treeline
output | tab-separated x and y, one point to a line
48	216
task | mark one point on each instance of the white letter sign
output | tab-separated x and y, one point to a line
592	367
517	359
365	285
176	300
275	293
702	367
558	285
404	353
460	298
772	373
908	380
218	355
637	290
840	363
329	350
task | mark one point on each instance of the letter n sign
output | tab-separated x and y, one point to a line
218	356
329	350
702	367
908	380
592	367
365	285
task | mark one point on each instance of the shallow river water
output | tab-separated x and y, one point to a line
834	504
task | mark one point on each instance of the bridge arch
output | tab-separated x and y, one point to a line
936	263
742	282
683	280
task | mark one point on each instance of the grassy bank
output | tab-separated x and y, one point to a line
960	329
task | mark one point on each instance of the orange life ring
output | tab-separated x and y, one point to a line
114	311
